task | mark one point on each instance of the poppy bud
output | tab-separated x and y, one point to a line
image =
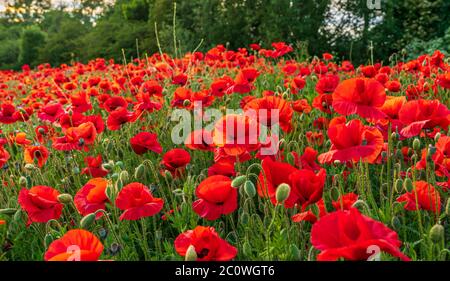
416	144
191	255
395	222
315	210
285	95
383	154
48	239
245	218
107	166
250	189
8	211
283	191
337	162
437	137
238	181
119	164
447	208
18	215
437	233
76	170
394	136
22	181
41	131
431	150
408	184
398	186
29	167
65	198
119	184
139	172
87	221
334	193
168	175
110	192
124	177
186	102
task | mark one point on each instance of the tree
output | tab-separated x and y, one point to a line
31	40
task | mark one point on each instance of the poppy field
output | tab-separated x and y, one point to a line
158	158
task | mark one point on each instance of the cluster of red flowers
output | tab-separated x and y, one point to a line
354	110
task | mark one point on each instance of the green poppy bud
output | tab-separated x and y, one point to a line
408	185
437	233
238	181
87	220
139	172
398	185
65	198
416	144
250	189
191	255
282	193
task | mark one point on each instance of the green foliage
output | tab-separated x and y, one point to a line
31	40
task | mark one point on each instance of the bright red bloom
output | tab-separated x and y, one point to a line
360	96
301	106
92	197
323	102
41	203
423	114
307	160
327	83
423	197
224	167
199	140
270	109
7	113
345	202
39	153
118	117
351	142
349	234
114	103
216	197
94	166
51	112
145	141
137	202
4	156
207	243
75	245
306	187
309	216
175	160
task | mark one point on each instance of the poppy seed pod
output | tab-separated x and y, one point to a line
250	189
22	181
283	191
437	233
87	220
238	181
191	255
437	137
65	198
139	172
416	144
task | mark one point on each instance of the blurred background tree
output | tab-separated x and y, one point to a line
38	31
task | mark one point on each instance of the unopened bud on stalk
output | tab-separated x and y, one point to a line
119	164
283	191
398	186
285	95
416	144
337	162
431	150
139	172
22	181
48	239
394	136
238	181
437	137
107	166
191	255
408	184
41	131
87	220
396	224
186	102
124	177
30	167
437	233
447	208
250	189
65	198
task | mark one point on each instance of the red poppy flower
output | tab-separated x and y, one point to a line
4	156
306	187
175	160
243	83
301	106
267	107
360	96
87	132
145	141
7	113
327	83
92	197
443	80
114	103
423	114
345	202
117	118
314	138
75	245
275	173
236	134
351	142
207	244
222	86
137	202
41	203
94	167
423	197
39	153
349	235
307	160
216	197
223	167
440	158
323	103
199	140
51	112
